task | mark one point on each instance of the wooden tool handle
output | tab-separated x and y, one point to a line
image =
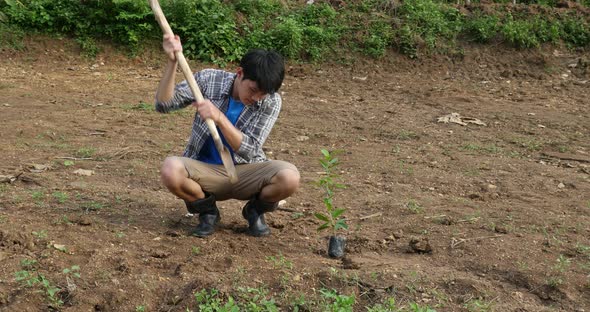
186	70
190	79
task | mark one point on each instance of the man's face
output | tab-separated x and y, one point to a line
248	91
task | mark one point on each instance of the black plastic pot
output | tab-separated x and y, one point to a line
336	246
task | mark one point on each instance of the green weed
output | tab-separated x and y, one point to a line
61	197
280	262
557	273
414	206
85	152
40	234
337	302
478	305
195	250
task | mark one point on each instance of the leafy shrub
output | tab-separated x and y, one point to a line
520	33
427	22
483	28
287	37
380	35
576	31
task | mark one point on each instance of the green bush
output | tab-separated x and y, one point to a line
483	28
221	31
576	31
520	33
425	21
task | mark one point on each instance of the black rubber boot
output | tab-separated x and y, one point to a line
254	212
208	214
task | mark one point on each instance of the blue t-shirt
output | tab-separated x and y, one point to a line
209	153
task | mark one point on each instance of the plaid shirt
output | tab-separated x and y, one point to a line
255	121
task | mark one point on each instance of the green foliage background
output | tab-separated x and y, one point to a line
221	31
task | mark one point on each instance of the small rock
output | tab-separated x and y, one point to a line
302	138
561	185
501	229
282	203
348	264
160	254
420	245
84	172
398	234
84	220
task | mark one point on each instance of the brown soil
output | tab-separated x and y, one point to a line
460	218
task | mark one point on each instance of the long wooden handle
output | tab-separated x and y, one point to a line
186	70
190	79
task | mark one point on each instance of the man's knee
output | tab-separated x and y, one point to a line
289	180
173	171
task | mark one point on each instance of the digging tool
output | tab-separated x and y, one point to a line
226	158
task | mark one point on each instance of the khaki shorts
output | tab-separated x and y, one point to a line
251	177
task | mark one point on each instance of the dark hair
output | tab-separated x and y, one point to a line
267	68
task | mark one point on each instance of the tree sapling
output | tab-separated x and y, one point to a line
332	219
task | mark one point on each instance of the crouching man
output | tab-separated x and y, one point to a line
244	105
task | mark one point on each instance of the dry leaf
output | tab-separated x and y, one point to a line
456	118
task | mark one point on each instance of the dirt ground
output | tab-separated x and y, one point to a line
473	217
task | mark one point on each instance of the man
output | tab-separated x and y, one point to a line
244	105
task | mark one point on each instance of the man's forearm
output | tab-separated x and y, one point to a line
166	87
232	135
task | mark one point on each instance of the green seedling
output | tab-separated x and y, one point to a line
557	274
40	234
29	277
414	206
195	250
61	197
333	217
280	262
68	163
336	302
85	152
74	271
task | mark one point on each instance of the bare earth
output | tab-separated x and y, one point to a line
500	212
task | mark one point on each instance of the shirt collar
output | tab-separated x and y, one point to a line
227	89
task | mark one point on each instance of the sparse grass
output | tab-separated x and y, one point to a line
63	220
485	149
414	206
557	273
85	152
61	197
280	262
405	168
479	305
405	135
530	144
92	206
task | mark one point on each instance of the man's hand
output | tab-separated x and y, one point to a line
208	110
171	45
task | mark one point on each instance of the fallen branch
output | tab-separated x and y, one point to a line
435	217
74	158
378	214
569	157
456	242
